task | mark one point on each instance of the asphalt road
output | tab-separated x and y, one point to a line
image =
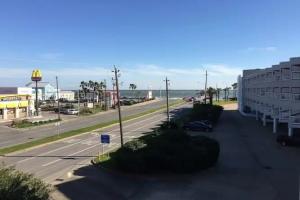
12	136
55	162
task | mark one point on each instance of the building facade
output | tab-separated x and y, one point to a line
272	93
66	95
45	90
15	102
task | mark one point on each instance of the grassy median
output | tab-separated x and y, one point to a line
67	134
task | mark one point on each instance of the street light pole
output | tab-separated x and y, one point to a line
116	71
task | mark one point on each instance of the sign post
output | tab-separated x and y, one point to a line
104	139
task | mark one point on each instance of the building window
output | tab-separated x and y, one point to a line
277	75
296	75
296	94
285	93
286	73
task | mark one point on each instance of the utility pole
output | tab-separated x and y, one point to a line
205	86
116	71
78	101
114	101
105	98
167	96
58	114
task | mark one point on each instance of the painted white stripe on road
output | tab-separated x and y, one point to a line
67	146
47	164
55	161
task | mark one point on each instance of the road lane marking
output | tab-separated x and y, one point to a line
93	133
107	132
55	161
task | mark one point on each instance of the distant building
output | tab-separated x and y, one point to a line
15	102
66	95
45	90
272	93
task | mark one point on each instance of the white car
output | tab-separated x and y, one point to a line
71	112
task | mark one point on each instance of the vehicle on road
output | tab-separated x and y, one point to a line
204	125
286	140
71	112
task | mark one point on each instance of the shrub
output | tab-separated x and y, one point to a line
16	185
170	150
86	111
206	111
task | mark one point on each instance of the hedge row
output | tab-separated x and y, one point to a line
170	150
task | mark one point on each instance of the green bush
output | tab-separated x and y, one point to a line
86	111
206	112
16	185
170	150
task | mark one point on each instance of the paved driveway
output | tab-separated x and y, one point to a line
251	166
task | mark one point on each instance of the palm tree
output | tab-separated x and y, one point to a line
99	86
226	91
211	91
91	85
132	86
84	87
234	87
218	91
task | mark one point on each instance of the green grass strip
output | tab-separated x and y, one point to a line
67	134
223	102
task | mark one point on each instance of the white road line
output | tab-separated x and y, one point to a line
54	161
67	146
63	147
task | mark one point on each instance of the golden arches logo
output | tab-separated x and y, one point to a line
36	75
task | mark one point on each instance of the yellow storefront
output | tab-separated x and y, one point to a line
14	106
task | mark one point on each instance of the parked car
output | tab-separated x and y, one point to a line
198	126
285	140
71	112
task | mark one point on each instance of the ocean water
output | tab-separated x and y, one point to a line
172	93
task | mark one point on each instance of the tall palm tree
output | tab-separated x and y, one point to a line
211	91
133	87
84	87
218	90
226	91
91	85
99	86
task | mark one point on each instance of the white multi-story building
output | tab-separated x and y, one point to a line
272	93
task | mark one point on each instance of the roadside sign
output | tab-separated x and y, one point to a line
105	138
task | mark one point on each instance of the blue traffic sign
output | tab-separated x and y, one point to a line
105	139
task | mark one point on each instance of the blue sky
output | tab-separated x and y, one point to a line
147	39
